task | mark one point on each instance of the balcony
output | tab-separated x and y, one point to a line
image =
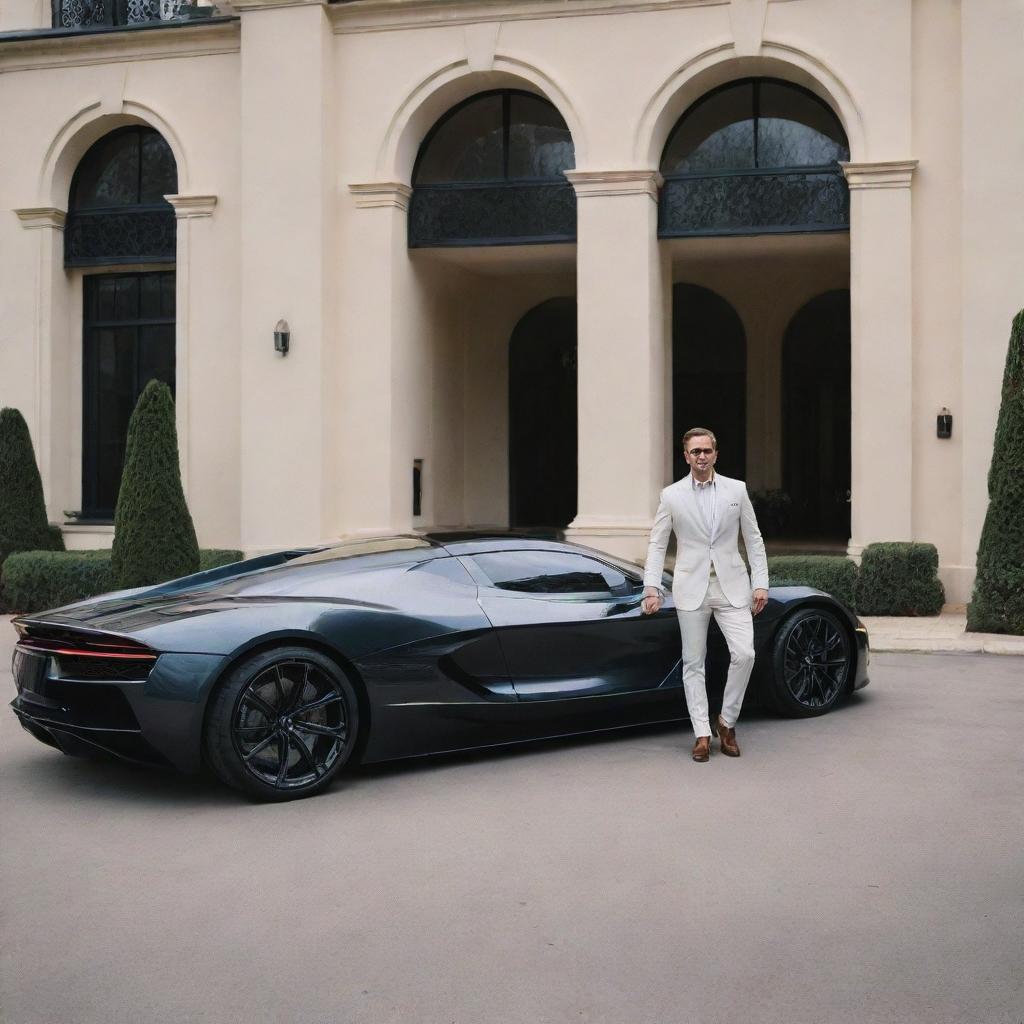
84	14
754	202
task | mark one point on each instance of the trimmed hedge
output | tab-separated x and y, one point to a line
154	539
23	525
33	581
835	574
899	578
997	605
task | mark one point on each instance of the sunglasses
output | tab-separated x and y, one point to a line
701	451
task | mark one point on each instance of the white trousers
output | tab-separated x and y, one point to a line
737	626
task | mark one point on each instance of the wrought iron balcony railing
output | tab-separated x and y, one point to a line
492	213
90	13
754	202
138	234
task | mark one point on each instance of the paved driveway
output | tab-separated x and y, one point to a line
862	867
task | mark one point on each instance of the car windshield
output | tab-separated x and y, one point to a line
354	548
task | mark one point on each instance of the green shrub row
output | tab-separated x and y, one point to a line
33	581
899	579
835	574
893	578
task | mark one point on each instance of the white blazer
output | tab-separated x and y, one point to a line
697	549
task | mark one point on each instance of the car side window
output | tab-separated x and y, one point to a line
550	572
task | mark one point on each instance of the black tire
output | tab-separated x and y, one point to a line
282	724
812	663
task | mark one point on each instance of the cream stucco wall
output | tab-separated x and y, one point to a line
295	128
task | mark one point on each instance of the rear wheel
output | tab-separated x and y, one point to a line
812	663
282	724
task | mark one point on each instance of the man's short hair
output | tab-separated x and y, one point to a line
700	432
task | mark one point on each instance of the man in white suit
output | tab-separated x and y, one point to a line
708	511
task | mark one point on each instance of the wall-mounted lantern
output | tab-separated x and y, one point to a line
282	337
944	423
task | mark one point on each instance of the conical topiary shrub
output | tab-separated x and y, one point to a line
154	539
23	525
998	602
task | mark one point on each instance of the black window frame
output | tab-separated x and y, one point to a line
127	233
92	510
480	212
812	198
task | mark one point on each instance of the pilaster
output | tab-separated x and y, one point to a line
881	328
622	282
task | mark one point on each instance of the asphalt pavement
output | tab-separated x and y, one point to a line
862	867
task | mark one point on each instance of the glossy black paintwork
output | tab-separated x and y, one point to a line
443	659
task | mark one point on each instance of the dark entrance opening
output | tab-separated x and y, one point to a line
816	417
709	377
542	416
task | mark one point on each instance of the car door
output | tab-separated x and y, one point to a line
570	625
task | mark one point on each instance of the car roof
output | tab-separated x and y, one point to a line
465	542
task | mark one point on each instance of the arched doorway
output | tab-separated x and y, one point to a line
542	416
816	417
118	220
709	376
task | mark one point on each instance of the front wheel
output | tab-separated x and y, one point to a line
812	663
282	724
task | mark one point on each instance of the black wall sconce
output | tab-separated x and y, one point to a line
944	423
282	337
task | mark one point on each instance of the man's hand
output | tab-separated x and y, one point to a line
652	600
760	600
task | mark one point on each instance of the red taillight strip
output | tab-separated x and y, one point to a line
42	647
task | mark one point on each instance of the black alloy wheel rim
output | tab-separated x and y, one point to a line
817	662
290	724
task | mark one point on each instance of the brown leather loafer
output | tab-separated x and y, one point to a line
702	748
727	739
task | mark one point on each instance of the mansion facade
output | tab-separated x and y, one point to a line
414	264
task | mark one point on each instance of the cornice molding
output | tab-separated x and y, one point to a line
192	205
881	174
243	6
373	194
392	15
42	217
69	50
616	183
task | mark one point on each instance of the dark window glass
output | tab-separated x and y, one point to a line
550	572
129	167
755	124
717	133
795	129
467	145
128	337
539	143
496	136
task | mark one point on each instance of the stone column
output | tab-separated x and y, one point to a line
50	423
374	372
186	209
623	291
881	354
287	230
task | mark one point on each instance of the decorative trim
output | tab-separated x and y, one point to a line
881	174
616	183
86	48
373	194
391	15
267	5
42	217
601	526
192	206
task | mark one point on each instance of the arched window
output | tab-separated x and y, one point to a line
490	172
117	212
117	215
752	157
